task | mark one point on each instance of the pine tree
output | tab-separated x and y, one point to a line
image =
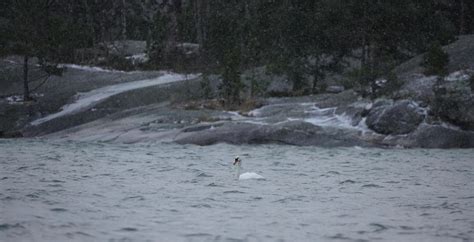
33	29
224	46
436	60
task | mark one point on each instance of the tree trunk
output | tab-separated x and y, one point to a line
363	60
316	75
90	22
26	89
462	21
201	12
170	11
202	9
198	22
124	21
315	80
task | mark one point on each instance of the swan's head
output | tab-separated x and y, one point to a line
237	160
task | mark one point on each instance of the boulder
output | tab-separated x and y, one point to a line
401	117
10	134
279	88
335	89
437	136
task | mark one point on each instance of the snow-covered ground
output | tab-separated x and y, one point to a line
88	68
89	99
18	99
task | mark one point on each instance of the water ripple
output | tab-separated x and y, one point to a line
165	192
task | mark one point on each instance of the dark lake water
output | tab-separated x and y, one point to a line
73	191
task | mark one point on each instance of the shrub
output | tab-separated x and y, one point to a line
206	89
347	83
363	80
119	63
392	85
436	60
256	86
361	77
249	105
471	83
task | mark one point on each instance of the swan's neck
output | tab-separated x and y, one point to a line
237	168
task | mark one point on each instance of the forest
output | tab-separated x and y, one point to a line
304	40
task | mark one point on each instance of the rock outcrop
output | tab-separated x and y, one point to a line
335	89
293	133
389	118
417	87
454	103
437	136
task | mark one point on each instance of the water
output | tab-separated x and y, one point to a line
72	191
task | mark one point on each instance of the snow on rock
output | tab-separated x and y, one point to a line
327	117
138	58
307	112
335	89
15	99
88	68
18	99
458	76
188	48
88	99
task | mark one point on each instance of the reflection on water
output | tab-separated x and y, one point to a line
96	192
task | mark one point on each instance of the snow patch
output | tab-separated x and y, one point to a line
12	62
327	117
381	82
18	99
138	58
88	68
88	99
188	48
458	76
323	117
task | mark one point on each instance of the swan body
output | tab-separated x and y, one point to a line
250	175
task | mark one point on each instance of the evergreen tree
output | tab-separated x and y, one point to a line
158	38
224	47
436	60
305	40
33	29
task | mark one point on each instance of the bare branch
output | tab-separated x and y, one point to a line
41	84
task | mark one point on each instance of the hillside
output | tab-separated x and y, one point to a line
461	57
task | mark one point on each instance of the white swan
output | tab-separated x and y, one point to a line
250	175
247	175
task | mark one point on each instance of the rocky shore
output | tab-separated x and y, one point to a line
426	112
319	120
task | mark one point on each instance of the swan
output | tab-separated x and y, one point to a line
247	175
